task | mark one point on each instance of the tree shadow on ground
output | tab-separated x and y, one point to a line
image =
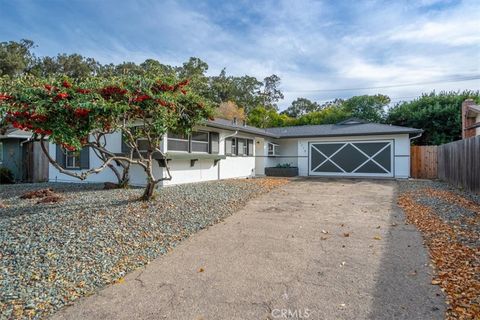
403	287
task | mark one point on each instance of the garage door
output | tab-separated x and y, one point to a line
351	158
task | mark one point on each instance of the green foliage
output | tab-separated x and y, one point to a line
284	165
369	108
68	111
262	117
15	57
300	107
6	176
438	114
327	115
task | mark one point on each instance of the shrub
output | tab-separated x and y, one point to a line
6	176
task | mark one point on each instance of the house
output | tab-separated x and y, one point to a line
222	149
24	158
470	119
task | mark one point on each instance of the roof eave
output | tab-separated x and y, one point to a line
238	128
352	134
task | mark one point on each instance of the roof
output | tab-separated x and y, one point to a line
350	127
15	133
228	124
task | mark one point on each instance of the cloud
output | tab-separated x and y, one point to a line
309	44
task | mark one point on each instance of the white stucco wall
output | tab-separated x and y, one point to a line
401	152
181	170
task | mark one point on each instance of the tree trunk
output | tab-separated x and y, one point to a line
149	190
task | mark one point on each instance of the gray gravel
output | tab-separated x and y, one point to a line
51	254
449	212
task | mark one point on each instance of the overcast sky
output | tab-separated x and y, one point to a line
316	47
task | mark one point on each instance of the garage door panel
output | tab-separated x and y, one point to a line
384	158
317	158
328	149
344	159
328	167
351	158
371	167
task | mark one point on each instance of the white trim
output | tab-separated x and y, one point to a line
390	173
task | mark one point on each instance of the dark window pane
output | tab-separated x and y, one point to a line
200	136
177	136
142	144
199	147
178	145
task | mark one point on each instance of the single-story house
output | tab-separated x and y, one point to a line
24	158
222	149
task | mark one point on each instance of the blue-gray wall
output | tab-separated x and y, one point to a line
12	156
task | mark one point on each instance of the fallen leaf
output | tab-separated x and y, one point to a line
436	281
323	238
346	234
325	232
377	238
201	270
378	227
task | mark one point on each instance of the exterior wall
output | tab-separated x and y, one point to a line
181	171
287	153
401	153
114	142
12	156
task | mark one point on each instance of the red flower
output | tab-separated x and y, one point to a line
61	96
66	84
48	87
68	147
163	103
17	125
141	98
184	83
83	91
183	91
5	97
81	112
112	92
39	117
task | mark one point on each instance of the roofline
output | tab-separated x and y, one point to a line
239	128
352	134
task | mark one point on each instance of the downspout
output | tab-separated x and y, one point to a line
220	162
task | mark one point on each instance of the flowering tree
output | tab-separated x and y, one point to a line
80	115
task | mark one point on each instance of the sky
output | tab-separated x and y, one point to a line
321	50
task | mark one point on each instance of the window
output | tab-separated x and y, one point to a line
250	145
272	149
245	148
72	159
178	142
241	147
234	147
142	144
199	142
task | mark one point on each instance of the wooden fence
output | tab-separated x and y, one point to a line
423	162
459	163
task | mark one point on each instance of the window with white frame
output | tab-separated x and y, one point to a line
199	141
178	142
234	146
272	149
72	159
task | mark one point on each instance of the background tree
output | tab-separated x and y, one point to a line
73	66
271	93
438	114
369	108
16	58
229	110
262	117
300	107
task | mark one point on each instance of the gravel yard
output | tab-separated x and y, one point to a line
54	253
449	219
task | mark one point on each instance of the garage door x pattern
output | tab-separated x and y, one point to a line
351	158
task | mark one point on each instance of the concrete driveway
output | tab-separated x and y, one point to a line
313	249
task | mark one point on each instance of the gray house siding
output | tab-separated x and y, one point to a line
12	156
